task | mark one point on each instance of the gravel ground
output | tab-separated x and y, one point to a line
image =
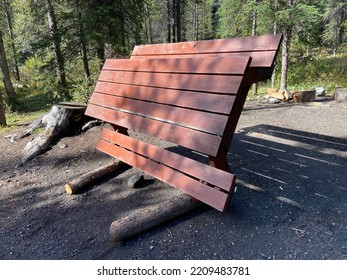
290	203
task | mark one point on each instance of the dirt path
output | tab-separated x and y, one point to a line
290	161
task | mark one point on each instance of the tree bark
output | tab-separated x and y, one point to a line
8	13
196	21
285	55
151	216
2	112
149	24
56	39
5	71
168	21
62	118
254	33
82	40
178	21
174	25
287	32
273	76
82	182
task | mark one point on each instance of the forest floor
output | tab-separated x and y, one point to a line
290	203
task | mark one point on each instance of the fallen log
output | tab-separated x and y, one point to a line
64	118
151	216
85	180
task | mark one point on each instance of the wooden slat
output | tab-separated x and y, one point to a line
193	139
203	121
187	99
261	44
205	65
259	59
209	174
210	83
201	191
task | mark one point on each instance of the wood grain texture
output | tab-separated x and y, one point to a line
193	139
203	101
151	216
202	121
193	82
188	65
258	46
189	185
206	173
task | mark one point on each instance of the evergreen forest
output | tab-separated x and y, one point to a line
52	50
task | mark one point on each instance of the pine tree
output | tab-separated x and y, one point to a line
5	71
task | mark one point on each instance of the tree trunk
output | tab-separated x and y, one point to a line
82	40
174	33
2	112
56	38
273	76
178	21
196	21
5	71
100	52
254	33
149	24
123	31
285	54
168	21
287	32
8	13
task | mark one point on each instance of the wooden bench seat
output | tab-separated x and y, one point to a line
192	100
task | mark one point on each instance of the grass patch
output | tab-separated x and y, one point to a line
17	119
306	73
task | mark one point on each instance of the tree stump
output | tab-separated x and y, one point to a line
64	118
340	94
304	95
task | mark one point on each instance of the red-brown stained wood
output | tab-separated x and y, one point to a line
261	44
210	83
209	122
193	139
182	99
259	59
212	65
211	175
201	191
203	101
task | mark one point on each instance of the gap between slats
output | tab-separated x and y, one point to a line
208	65
192	139
202	121
211	175
201	191
203	83
202	101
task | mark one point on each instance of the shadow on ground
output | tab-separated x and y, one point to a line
290	203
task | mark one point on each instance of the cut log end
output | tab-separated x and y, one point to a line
68	188
83	181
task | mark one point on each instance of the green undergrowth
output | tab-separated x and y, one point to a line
16	120
309	72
